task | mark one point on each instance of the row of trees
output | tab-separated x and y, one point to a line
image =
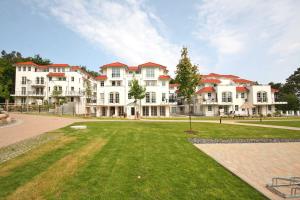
289	92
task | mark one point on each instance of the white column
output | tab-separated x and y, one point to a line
149	111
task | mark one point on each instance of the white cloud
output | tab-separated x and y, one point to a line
232	26
123	28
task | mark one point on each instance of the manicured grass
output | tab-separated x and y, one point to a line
223	118
128	160
278	123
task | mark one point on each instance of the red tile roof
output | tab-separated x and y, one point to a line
206	90
101	77
239	80
274	90
114	64
58	65
173	85
152	64
210	81
133	68
164	77
53	74
241	89
27	63
75	68
220	76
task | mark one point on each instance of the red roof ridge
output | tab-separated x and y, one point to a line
241	89
101	77
58	65
152	64
56	74
206	90
114	64
26	63
164	77
210	80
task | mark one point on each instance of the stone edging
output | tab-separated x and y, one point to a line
230	141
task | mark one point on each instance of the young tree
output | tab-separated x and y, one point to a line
188	78
56	94
88	90
138	92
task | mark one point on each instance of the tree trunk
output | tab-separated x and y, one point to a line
190	117
6	104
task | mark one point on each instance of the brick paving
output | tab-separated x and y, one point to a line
257	163
28	126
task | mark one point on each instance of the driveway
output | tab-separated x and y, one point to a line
28	126
257	163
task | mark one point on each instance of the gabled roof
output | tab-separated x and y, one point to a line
54	74
229	76
101	77
240	80
114	64
152	64
205	80
164	77
205	90
75	68
274	90
241	89
57	65
27	63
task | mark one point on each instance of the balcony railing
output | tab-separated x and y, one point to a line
73	93
28	93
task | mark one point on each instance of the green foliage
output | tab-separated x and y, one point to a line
187	76
291	99
56	94
88	90
137	91
93	73
7	71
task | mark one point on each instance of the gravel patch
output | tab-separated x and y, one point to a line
230	141
16	149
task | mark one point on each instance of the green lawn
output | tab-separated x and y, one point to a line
128	160
223	118
278	123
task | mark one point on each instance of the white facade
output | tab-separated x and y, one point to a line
110	97
230	95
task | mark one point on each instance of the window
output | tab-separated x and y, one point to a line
24	80
23	90
269	108
113	83
111	97
115	72
262	97
150	83
58	69
145	111
163	83
23	100
72	89
162	111
129	96
72	78
19	68
209	108
209	95
153	111
147	97
54	69
118	83
59	79
72	99
102	83
153	97
101	97
60	88
236	108
121	111
227	97
29	69
243	95
253	111
117	98
42	80
63	69
150	72
50	78
37	80
24	69
163	96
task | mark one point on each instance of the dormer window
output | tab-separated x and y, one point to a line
115	72
150	72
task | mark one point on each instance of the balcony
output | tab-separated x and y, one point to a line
38	84
74	94
209	101
28	94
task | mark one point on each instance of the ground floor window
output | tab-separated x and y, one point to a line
253	111
173	110
236	108
153	111
103	111
121	111
269	108
209	108
72	99
145	111
23	100
162	111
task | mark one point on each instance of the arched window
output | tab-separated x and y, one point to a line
226	97
262	96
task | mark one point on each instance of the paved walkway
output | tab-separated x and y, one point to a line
28	126
257	163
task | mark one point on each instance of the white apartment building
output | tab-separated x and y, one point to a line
35	84
114	84
219	94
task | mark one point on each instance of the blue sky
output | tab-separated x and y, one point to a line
255	39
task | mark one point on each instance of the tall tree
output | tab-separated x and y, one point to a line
138	92
187	76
